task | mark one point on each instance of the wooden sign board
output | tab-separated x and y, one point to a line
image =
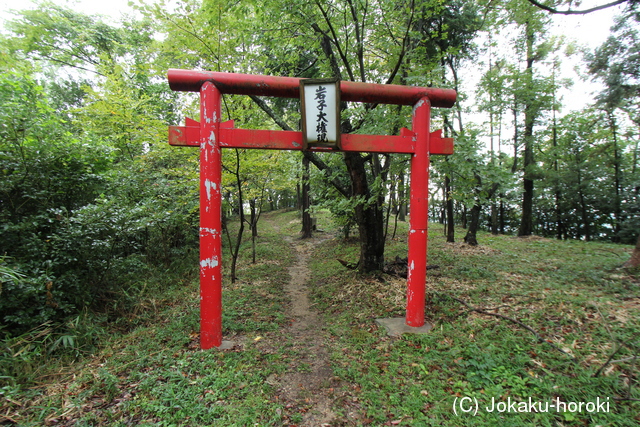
320	105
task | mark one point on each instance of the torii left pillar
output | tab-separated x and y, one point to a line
210	218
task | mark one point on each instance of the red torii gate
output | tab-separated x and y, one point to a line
210	134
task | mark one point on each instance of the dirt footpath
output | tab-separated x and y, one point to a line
310	388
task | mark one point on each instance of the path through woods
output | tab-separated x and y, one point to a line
310	386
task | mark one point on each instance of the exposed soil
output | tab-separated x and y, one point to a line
308	388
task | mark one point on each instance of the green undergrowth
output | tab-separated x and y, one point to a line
567	308
153	373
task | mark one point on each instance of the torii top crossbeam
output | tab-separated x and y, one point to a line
289	87
211	136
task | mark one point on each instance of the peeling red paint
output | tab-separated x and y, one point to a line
419	218
210	220
211	135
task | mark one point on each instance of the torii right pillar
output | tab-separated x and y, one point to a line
414	321
419	216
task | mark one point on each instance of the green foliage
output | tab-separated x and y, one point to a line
7	273
156	375
60	35
92	253
23	356
616	63
45	169
157	365
77	232
96	215
89	203
631	206
585	188
342	211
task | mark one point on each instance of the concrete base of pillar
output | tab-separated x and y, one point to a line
226	345
396	327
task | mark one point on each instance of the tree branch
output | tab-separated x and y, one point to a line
360	48
335	41
511	319
69	64
578	12
604	365
265	107
626	359
403	51
317	161
313	158
194	35
325	43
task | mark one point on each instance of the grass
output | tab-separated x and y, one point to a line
151	372
571	293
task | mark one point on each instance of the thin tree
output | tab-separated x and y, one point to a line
306	204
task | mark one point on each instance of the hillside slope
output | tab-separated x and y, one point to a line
515	320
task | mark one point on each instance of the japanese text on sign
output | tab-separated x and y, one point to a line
320	101
321	126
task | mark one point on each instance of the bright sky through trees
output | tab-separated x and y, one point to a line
588	30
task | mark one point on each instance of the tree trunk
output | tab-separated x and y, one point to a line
516	137
494	218
369	216
470	237
253	219
402	205
306	216
464	217
449	203
584	211
617	207
526	223
253	223
235	249
634	261
273	204
558	213
392	208
558	192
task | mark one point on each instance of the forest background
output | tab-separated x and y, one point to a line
92	198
